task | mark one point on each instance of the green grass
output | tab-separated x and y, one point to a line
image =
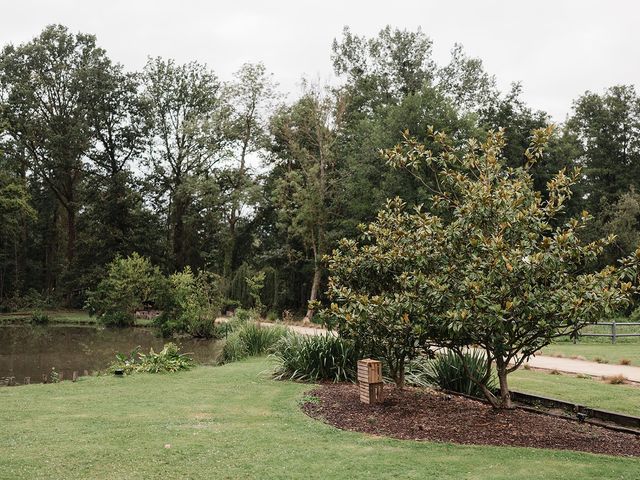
66	317
234	422
613	354
589	392
594	348
621	328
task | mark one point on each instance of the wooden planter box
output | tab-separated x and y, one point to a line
370	380
369	371
371	393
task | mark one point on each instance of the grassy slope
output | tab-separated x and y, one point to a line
592	393
233	422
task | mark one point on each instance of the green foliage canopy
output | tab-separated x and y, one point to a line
490	268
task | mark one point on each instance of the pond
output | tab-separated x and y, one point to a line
32	351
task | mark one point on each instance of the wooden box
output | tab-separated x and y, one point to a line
371	393
369	371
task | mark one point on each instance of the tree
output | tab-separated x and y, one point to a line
465	82
374	284
305	134
187	131
131	284
118	119
45	107
249	99
15	209
385	68
491	270
608	128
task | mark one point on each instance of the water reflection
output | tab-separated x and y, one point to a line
31	351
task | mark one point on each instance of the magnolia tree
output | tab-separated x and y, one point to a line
380	297
491	265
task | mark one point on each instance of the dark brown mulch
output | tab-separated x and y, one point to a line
421	414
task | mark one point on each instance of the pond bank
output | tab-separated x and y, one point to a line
33	351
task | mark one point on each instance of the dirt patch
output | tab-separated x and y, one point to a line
422	414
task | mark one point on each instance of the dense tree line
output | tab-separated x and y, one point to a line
225	176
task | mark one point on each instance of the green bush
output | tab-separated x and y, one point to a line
31	300
192	303
130	284
250	339
169	359
315	357
446	371
229	304
39	318
243	315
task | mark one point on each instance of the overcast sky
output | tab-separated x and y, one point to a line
557	49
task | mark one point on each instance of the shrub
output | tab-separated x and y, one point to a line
169	359
230	305
39	318
192	303
314	358
447	372
130	284
243	315
250	339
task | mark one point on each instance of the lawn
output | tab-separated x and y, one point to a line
590	392
597	351
234	422
600	348
67	317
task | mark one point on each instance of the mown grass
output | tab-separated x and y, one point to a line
590	392
234	421
612	354
66	317
600	349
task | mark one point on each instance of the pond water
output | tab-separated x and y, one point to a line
31	351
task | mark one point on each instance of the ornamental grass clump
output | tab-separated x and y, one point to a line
447	371
250	339
169	359
314	358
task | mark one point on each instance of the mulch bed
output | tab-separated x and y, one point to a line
423	414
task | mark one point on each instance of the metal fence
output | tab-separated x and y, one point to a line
614	335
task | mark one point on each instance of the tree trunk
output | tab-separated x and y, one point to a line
71	233
505	396
399	374
179	253
315	286
229	249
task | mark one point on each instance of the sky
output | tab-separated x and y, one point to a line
558	49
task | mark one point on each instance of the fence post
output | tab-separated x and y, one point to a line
613	331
